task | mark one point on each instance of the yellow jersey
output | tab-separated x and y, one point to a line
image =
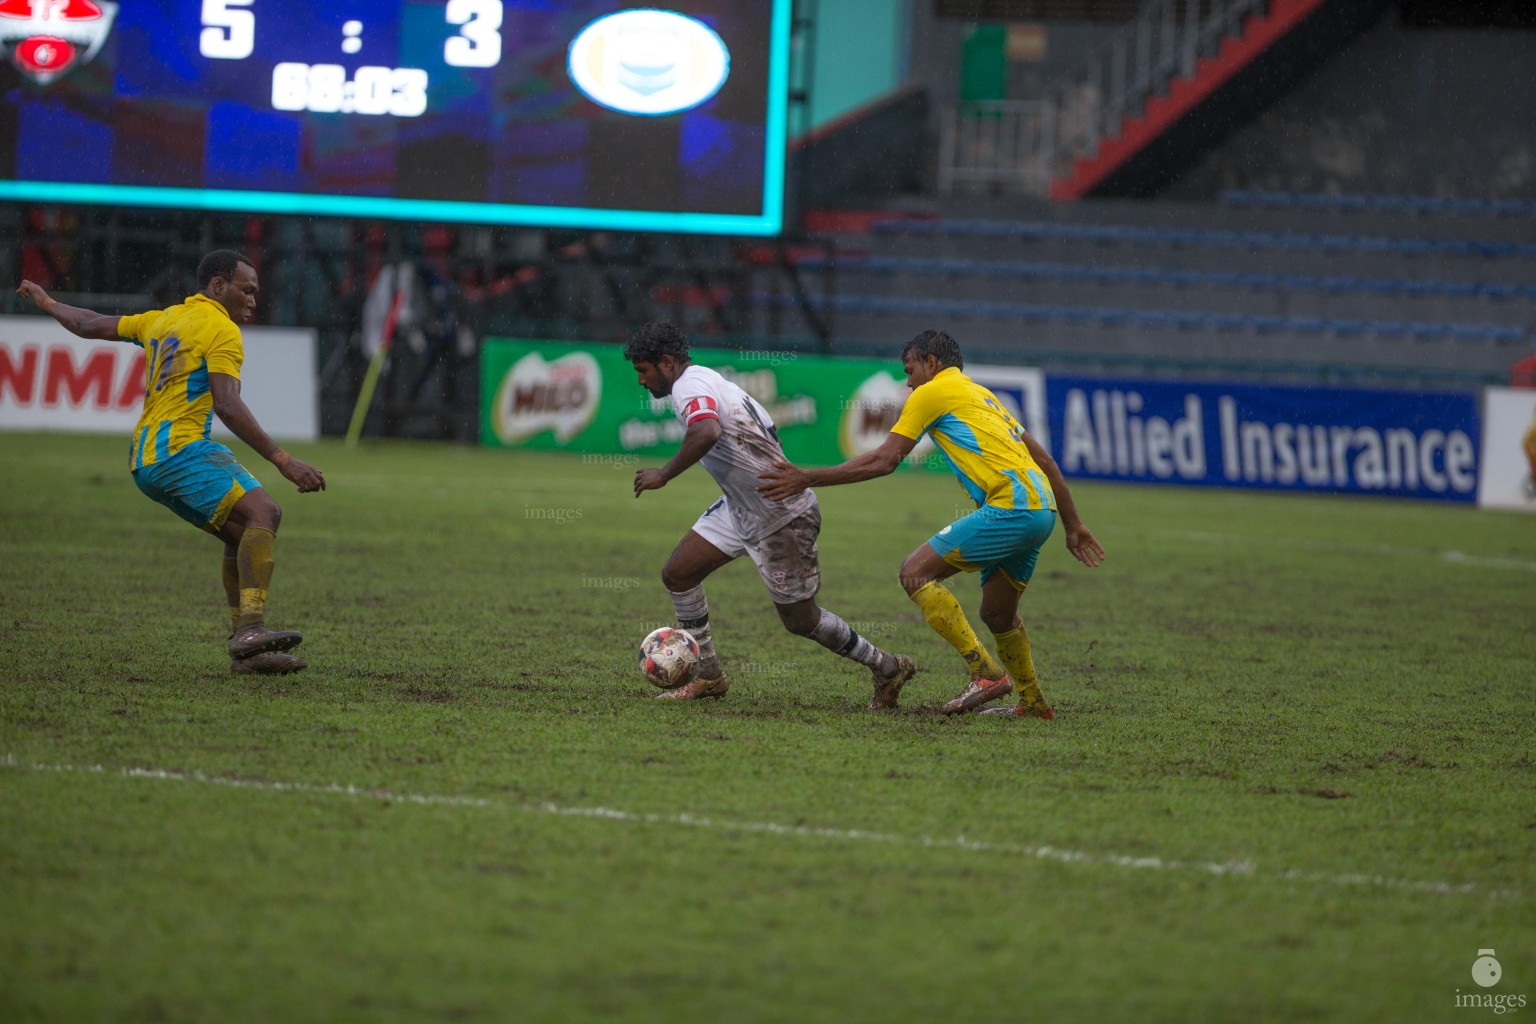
182	345
980	439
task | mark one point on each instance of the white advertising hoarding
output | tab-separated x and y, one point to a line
1508	478
52	380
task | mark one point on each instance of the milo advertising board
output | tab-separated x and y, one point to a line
585	398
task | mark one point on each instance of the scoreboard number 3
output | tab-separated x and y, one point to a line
478	42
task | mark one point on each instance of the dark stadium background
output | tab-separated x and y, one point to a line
1348	205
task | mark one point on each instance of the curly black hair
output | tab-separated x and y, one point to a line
936	343
220	263
656	339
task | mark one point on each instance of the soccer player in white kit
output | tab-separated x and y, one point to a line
735	440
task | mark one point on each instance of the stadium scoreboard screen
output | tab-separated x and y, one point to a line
580	113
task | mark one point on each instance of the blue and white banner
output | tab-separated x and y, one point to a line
1402	444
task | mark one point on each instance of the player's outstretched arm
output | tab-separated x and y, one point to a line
785	480
700	438
237	416
1084	546
84	323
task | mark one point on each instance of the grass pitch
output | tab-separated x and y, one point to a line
1292	775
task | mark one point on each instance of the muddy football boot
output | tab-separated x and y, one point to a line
888	688
255	639
978	692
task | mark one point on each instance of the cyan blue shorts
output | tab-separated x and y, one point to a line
200	483
992	538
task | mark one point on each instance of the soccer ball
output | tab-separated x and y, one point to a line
669	657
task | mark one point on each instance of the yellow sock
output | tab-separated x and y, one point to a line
1013	649
232	590
254	559
947	618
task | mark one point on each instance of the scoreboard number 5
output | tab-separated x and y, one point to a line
229	30
478	41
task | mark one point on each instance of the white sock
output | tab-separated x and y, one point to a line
692	610
838	637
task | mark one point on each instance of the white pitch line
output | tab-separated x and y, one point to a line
1491	563
1456	557
1233	867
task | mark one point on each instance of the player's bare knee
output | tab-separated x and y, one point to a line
998	622
267	515
255	510
911	577
673	580
798	620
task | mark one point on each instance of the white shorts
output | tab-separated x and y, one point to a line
786	558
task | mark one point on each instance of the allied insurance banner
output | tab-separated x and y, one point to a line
1402	444
585	398
52	380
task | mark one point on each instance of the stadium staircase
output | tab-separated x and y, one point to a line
1169	86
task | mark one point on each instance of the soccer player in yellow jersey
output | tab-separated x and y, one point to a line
192	357
1019	494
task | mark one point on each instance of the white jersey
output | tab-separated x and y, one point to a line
748	445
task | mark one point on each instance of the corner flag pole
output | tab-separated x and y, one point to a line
375	368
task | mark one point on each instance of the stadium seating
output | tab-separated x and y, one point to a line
1414	291
1391	204
1109	316
1023	270
1250	240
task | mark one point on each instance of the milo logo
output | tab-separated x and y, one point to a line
870	413
537	395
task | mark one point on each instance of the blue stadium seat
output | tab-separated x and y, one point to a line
1263	281
1382	203
1110	234
1189	320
